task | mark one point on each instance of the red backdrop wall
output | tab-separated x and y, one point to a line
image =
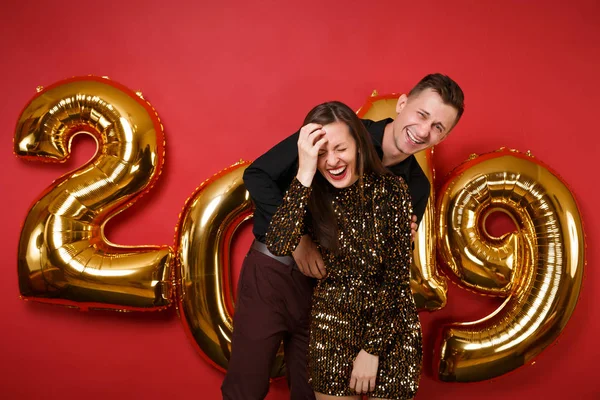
230	79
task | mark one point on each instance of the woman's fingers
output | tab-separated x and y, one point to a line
307	129
353	383
315	136
311	133
371	384
312	142
362	388
318	144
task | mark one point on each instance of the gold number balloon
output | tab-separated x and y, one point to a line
63	256
539	268
206	227
428	287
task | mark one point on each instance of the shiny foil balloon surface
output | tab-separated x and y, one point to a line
428	287
539	268
63	256
204	234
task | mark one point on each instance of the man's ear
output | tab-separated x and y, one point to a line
401	103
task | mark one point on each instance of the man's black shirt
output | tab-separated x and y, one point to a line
268	178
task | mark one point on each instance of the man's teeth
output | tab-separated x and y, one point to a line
414	139
337	171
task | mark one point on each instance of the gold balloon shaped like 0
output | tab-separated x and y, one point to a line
63	256
428	287
539	268
204	234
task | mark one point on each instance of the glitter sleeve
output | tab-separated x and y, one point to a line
287	225
394	213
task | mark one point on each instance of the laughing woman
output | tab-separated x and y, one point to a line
365	335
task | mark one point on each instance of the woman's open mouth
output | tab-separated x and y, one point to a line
338	173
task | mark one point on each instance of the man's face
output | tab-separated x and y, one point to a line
423	121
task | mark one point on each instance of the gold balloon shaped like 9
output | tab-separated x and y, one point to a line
539	269
63	256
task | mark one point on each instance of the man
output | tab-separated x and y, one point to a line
274	295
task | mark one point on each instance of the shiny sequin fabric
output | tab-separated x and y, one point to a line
365	301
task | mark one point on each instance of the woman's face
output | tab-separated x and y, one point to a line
337	157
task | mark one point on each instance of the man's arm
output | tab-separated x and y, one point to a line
419	188
267	178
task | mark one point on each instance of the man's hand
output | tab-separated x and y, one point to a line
364	372
309	259
413	227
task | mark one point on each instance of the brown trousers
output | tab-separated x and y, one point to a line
273	305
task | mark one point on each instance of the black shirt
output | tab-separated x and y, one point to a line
268	178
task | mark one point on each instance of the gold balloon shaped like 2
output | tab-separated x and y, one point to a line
539	268
64	257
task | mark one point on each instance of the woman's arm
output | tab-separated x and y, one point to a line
396	247
265	178
287	225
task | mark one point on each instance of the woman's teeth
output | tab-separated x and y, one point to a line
337	171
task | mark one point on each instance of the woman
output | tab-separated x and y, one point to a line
365	332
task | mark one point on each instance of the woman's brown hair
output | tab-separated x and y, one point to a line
324	223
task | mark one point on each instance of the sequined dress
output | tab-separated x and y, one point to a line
365	301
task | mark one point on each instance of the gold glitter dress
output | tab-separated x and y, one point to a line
365	302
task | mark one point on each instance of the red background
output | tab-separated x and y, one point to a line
231	78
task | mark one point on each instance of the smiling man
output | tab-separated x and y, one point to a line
425	117
275	293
